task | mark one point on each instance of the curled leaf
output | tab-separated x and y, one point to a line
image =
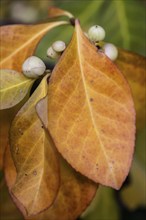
37	179
13	88
91	114
21	41
133	67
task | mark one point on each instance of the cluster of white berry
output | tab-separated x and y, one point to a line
96	34
33	67
56	49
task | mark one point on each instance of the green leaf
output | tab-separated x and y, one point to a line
134	194
103	206
13	88
123	21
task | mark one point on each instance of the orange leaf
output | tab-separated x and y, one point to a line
91	114
133	67
37	180
57	12
75	193
19	42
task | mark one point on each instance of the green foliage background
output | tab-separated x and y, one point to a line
125	25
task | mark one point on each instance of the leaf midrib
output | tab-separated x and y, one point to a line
17	85
89	106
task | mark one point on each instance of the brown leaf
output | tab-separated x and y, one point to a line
75	194
13	88
57	12
37	180
19	42
91	115
133	67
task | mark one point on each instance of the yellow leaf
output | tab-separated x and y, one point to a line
19	42
13	88
91	114
133	66
37	179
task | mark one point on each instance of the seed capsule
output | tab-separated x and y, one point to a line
59	46
33	67
111	51
96	33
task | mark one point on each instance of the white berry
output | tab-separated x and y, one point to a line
52	53
96	33
111	51
59	46
33	67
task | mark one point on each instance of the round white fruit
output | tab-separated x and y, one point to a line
33	67
52	53
111	51
59	46
96	33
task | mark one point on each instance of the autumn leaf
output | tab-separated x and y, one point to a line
21	41
13	88
57	12
91	115
133	67
75	194
37	180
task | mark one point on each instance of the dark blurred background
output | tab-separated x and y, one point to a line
125	26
